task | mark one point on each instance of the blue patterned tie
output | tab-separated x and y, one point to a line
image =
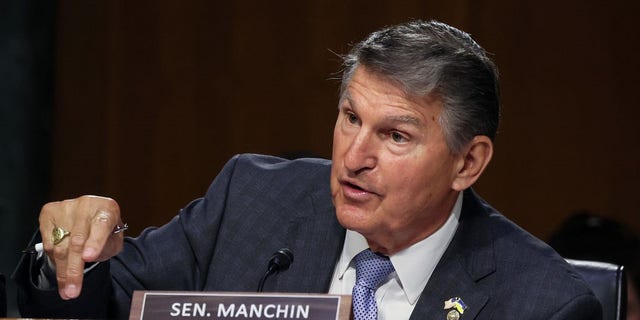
371	270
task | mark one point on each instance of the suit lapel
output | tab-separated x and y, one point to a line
316	238
468	259
455	283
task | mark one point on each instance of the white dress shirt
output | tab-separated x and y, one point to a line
397	296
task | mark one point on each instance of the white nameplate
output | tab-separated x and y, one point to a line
174	305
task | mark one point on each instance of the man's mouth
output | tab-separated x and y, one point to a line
355	190
354	186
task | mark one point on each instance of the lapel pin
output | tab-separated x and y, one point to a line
457	307
453	315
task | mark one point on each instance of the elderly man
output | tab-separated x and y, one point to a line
416	120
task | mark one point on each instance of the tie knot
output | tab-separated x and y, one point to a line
371	269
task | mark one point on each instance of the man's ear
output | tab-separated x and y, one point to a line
472	162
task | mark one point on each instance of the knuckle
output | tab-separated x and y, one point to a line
73	271
76	242
59	253
47	207
110	206
104	217
61	278
47	210
86	198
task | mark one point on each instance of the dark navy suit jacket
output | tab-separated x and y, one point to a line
258	204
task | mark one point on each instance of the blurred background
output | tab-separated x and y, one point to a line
144	101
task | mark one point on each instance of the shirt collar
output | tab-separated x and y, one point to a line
413	265
354	243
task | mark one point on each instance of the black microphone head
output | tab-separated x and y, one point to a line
281	259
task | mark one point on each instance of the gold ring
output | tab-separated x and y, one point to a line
58	234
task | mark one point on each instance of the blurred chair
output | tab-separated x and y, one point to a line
588	236
608	282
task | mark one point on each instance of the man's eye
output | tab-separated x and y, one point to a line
398	137
352	118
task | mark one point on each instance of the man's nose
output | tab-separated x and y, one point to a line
361	155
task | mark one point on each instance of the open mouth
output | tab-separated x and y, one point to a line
353	186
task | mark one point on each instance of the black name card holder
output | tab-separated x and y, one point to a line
176	305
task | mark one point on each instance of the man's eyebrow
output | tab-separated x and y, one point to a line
393	118
405	119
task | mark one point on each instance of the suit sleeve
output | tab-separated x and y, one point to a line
175	256
172	257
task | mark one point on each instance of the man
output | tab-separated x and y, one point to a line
417	115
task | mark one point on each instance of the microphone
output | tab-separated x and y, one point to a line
280	261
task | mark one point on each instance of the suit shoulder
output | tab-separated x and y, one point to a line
521	253
259	162
523	259
260	174
511	262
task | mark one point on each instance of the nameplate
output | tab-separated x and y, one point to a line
174	305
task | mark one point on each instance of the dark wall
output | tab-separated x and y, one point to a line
152	97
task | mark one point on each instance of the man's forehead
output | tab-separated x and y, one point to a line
386	87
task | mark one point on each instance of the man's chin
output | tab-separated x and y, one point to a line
353	218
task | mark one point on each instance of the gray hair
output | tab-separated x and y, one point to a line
432	57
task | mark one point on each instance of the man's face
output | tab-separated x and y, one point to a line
392	172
